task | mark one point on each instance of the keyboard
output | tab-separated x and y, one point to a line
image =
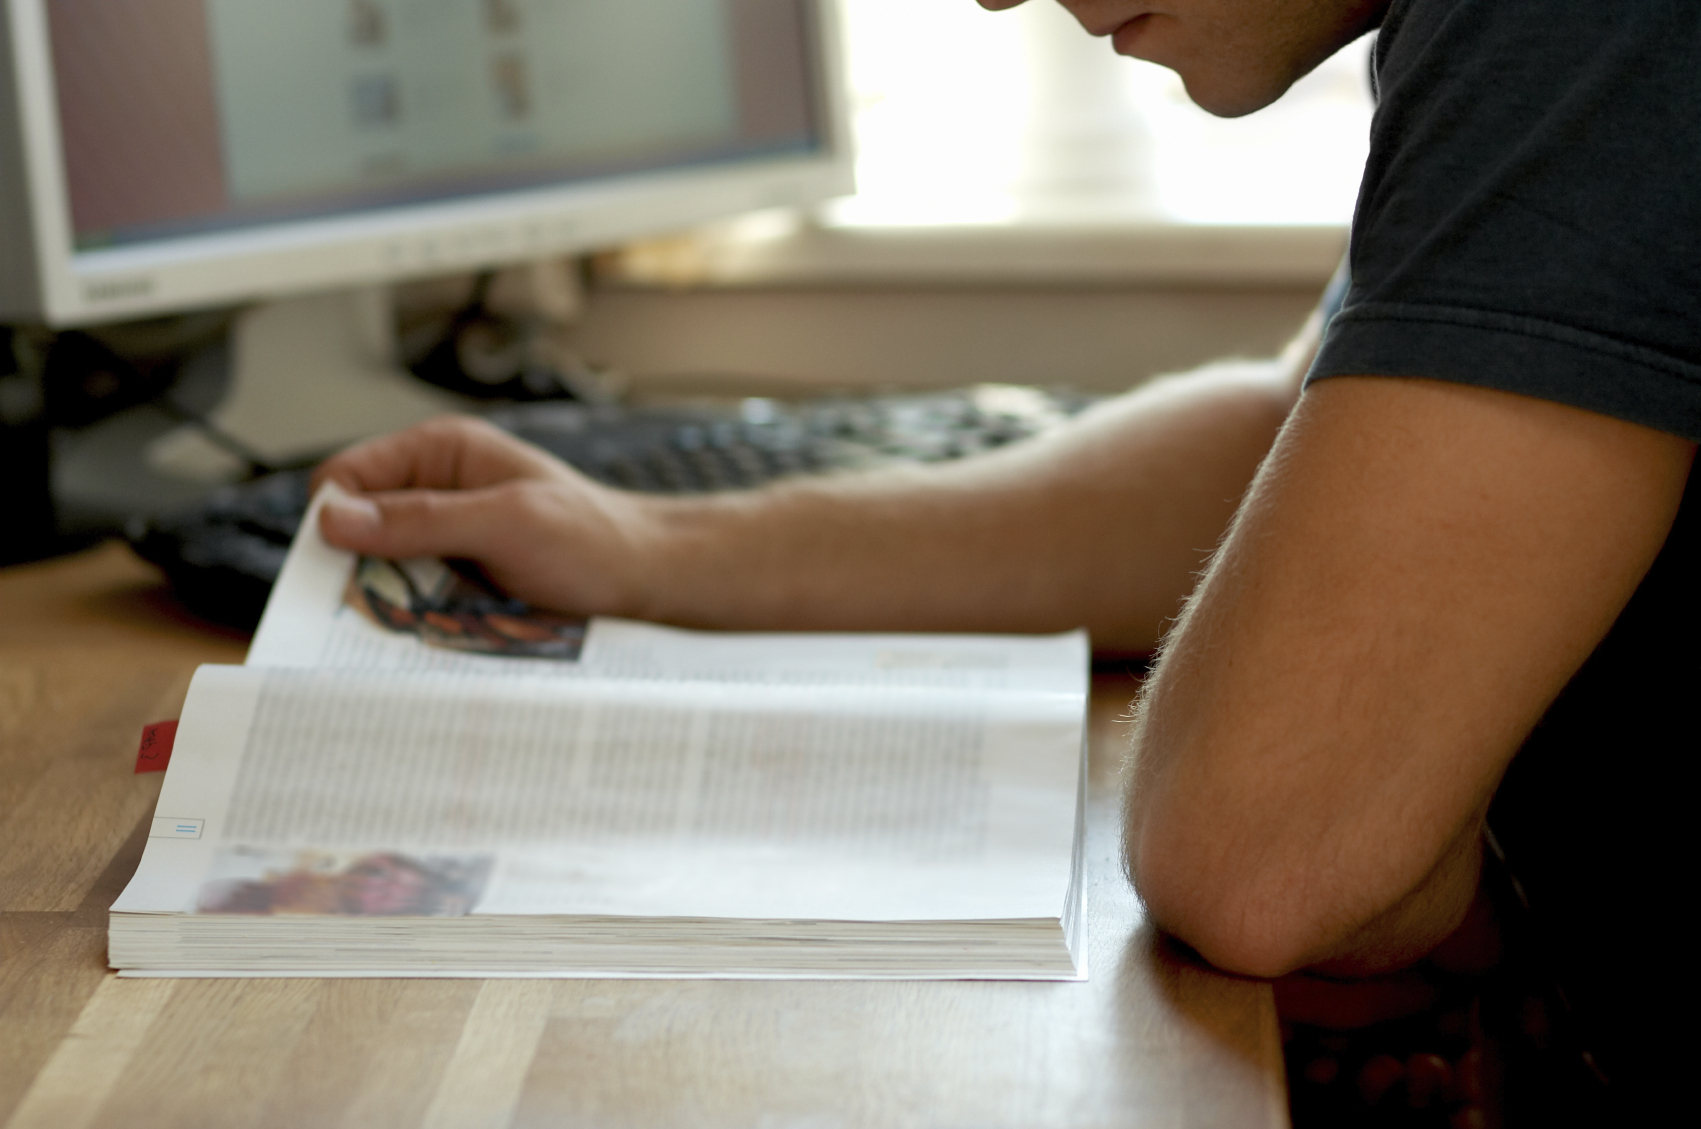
223	555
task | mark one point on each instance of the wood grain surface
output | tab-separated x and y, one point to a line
92	647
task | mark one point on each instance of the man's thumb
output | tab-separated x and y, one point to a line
407	523
351	522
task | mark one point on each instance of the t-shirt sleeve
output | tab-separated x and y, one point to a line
1530	216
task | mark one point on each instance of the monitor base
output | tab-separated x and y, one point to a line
308	375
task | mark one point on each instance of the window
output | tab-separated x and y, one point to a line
968	117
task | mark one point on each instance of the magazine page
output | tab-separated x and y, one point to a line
302	791
331	608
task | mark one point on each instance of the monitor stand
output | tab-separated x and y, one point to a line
308	375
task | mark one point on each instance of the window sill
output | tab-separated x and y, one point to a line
1139	256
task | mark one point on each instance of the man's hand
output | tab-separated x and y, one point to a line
458	487
1416	573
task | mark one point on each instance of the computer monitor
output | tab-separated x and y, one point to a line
164	155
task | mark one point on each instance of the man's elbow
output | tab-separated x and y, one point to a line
1240	920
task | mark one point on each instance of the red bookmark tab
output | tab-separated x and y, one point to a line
157	740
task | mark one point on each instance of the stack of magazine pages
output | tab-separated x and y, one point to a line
413	776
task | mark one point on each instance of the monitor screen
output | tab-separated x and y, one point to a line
181	152
198	115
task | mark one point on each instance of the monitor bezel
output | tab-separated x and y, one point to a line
61	286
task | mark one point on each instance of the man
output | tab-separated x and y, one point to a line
1485	464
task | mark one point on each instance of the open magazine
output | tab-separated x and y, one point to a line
414	776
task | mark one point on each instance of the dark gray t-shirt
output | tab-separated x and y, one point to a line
1530	217
1530	220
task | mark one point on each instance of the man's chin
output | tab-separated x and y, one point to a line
1228	90
1216	85
1231	99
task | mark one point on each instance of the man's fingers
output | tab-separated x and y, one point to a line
423	523
460	488
450	453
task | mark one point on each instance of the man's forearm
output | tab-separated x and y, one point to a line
1418	571
1103	524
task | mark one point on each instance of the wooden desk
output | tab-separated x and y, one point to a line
92	647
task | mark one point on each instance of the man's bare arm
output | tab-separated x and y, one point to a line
1104	524
1416	573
